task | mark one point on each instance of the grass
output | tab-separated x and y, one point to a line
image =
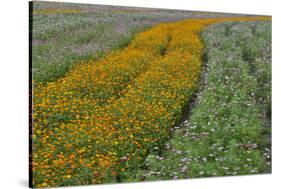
228	131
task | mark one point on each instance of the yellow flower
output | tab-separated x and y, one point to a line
67	176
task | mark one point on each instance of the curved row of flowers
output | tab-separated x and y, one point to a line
229	126
99	122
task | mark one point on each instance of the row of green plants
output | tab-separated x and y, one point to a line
228	131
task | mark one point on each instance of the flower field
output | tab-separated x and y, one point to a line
228	131
64	34
99	122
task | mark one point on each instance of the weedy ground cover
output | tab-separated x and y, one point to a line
228	132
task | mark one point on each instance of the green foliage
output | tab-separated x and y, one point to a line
250	53
228	27
161	49
253	29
